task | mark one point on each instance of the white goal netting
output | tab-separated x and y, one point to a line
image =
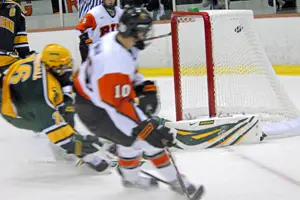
242	78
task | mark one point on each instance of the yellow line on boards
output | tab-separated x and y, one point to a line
283	70
287	70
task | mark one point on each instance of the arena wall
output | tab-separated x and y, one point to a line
279	35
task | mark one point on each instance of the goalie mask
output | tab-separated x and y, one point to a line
57	59
136	23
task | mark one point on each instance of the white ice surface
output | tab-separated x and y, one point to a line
268	171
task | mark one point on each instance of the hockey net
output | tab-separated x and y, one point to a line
220	68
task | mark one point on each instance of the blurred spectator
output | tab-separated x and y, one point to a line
165	10
149	4
284	5
215	4
271	3
158	7
55	7
85	5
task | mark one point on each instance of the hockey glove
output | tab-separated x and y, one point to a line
82	145
66	79
83	46
68	113
155	134
140	44
147	94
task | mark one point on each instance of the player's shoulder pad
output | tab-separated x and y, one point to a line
96	10
88	21
105	51
14	4
119	10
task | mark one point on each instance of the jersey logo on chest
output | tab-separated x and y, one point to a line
7	24
108	28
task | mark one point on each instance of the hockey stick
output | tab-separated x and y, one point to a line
197	195
112	157
199	192
113	163
179	177
159	36
155	177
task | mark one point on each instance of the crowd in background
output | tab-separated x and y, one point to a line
284	5
151	5
162	9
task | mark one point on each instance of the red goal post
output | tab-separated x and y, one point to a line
209	61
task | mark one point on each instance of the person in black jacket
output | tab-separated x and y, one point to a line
283	5
14	41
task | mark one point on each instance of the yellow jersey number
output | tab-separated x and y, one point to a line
21	74
24	71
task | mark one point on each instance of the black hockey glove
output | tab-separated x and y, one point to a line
68	113
83	46
66	79
140	44
148	99
155	134
82	145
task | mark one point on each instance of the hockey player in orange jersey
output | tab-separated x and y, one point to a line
97	22
107	85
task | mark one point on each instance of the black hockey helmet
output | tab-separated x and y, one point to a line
135	20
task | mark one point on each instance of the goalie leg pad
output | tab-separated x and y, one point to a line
215	132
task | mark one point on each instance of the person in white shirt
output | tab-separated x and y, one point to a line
107	86
99	21
86	5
